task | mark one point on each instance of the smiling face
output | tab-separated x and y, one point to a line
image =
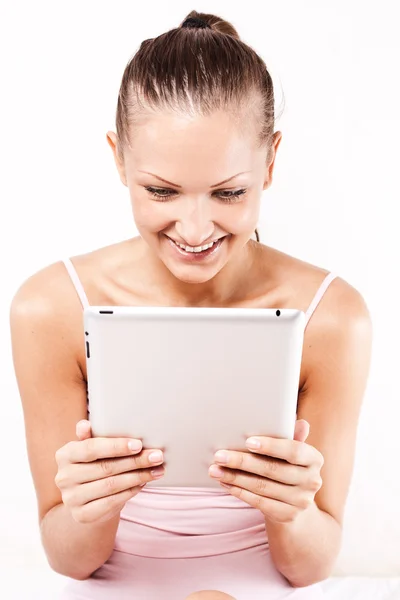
195	182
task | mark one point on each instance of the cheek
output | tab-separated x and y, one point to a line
241	219
150	215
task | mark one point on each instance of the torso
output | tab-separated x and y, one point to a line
114	276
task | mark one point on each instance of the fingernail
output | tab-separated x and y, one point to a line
134	445
221	456
215	471
253	443
157	472
81	429
155	456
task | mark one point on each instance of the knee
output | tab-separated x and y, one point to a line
209	595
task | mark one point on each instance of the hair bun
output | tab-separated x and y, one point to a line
195	22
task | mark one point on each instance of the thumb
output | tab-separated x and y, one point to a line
301	430
83	429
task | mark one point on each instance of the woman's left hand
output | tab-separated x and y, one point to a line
280	478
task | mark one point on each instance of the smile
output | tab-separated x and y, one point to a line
196	253
195	248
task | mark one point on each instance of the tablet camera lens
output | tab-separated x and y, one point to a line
278	312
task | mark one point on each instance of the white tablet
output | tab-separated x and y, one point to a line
191	381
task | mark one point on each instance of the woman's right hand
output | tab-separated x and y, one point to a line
98	475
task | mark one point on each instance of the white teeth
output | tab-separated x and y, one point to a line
195	248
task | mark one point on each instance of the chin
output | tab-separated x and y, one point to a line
191	274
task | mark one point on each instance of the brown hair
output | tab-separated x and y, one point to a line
196	71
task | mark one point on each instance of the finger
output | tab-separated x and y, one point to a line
83	429
297	453
263	487
93	490
94	448
302	430
274	509
103	509
279	470
108	467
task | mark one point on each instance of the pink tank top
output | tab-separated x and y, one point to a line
179	522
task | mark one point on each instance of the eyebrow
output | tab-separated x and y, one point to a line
179	186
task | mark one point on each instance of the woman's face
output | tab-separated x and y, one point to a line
194	206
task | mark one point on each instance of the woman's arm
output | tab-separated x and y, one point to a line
76	549
45	335
338	345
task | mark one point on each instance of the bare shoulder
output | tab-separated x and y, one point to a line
301	281
48	304
341	306
50	293
340	329
43	290
340	323
47	296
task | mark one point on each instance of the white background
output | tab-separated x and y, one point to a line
334	200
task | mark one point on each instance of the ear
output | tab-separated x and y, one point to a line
112	141
270	167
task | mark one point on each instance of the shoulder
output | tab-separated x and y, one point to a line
339	332
50	289
341	322
341	300
44	310
342	309
300	280
44	292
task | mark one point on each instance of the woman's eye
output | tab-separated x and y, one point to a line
164	194
157	193
233	195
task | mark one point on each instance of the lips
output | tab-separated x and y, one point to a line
192	256
199	245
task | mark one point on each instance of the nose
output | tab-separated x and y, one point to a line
194	225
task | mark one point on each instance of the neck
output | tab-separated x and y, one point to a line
227	287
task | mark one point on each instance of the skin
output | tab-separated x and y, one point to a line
194	154
197	153
209	595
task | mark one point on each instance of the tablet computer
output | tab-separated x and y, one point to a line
192	380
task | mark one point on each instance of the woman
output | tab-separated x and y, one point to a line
195	146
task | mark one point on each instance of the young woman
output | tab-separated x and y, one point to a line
195	146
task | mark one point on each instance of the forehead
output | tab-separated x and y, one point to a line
168	143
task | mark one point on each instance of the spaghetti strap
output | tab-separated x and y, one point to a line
76	281
318	296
